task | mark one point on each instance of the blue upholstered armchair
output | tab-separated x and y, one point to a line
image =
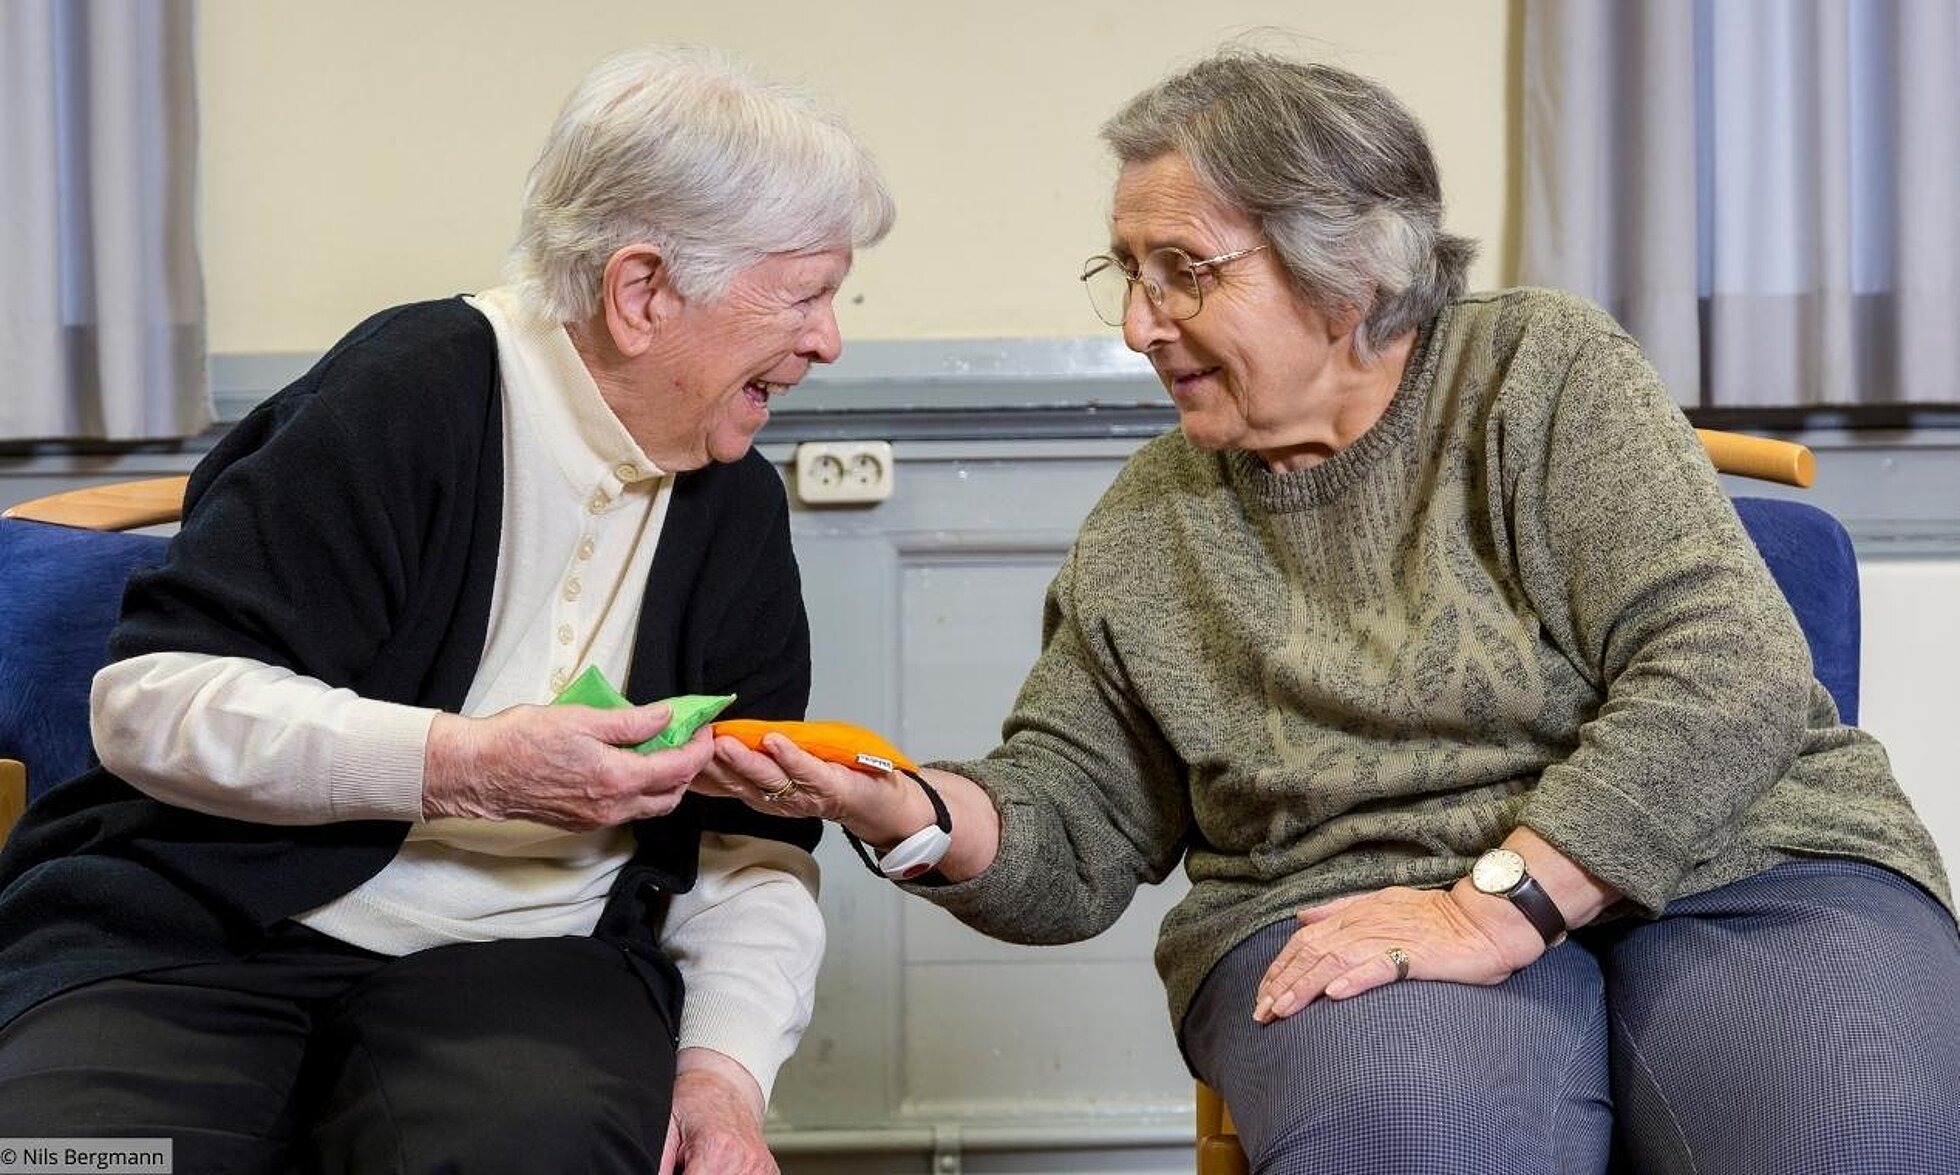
1812	560
61	585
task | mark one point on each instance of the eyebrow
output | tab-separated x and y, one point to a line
1174	242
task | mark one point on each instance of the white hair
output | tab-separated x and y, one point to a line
685	149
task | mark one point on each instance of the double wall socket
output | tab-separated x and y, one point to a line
843	473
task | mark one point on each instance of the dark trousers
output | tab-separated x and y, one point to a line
523	1055
1799	1022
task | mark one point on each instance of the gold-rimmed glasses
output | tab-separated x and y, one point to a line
1170	278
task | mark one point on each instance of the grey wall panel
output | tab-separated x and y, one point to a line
1034	1038
926	614
932	936
969	628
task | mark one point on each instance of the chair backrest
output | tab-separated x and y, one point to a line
60	593
1811	557
61	586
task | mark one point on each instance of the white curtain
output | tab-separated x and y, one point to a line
1766	192
101	298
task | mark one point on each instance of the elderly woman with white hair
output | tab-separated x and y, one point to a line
344	895
1518	828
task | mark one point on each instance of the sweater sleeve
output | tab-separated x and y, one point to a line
748	940
238	738
1641	572
241	671
1091	797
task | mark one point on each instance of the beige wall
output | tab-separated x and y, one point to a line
364	152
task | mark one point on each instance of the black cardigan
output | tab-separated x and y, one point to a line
348	529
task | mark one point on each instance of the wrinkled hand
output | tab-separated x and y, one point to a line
880	810
1341	948
823	789
716	1126
557	765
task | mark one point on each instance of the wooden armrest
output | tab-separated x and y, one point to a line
13	794
1220	1154
1764	458
1213	1117
123	505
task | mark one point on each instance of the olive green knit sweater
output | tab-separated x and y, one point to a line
1520	598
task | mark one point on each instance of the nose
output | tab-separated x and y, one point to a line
1145	325
823	342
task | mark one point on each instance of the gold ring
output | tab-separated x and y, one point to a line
1400	958
782	793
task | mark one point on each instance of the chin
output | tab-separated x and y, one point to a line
1207	435
730	448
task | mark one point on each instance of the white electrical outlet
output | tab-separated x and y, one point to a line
843	473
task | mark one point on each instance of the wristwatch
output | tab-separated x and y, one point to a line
1501	873
919	853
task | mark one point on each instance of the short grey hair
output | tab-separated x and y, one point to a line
685	149
1336	173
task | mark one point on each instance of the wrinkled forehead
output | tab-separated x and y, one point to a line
808	267
1161	202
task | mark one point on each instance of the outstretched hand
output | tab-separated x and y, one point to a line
564	766
880	810
785	780
1346	947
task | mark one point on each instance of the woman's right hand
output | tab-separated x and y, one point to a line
565	766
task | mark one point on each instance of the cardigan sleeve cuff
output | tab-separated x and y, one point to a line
748	940
378	760
727	1024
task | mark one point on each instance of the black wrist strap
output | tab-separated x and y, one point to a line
1537	905
940	816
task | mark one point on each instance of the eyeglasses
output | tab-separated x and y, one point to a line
1169	277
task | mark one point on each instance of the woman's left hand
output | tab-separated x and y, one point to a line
1351	945
715	1127
783	780
880	810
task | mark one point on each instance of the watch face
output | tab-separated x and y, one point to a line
1497	871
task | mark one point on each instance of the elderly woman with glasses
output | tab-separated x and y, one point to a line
1430	646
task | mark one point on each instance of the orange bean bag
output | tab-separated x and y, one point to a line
835	742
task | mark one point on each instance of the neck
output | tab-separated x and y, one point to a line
622	381
1352	398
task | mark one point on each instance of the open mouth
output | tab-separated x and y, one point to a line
1184	381
758	392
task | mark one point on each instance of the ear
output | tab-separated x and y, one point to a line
637	297
1342	323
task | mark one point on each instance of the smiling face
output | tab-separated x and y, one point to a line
715	365
1258	367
